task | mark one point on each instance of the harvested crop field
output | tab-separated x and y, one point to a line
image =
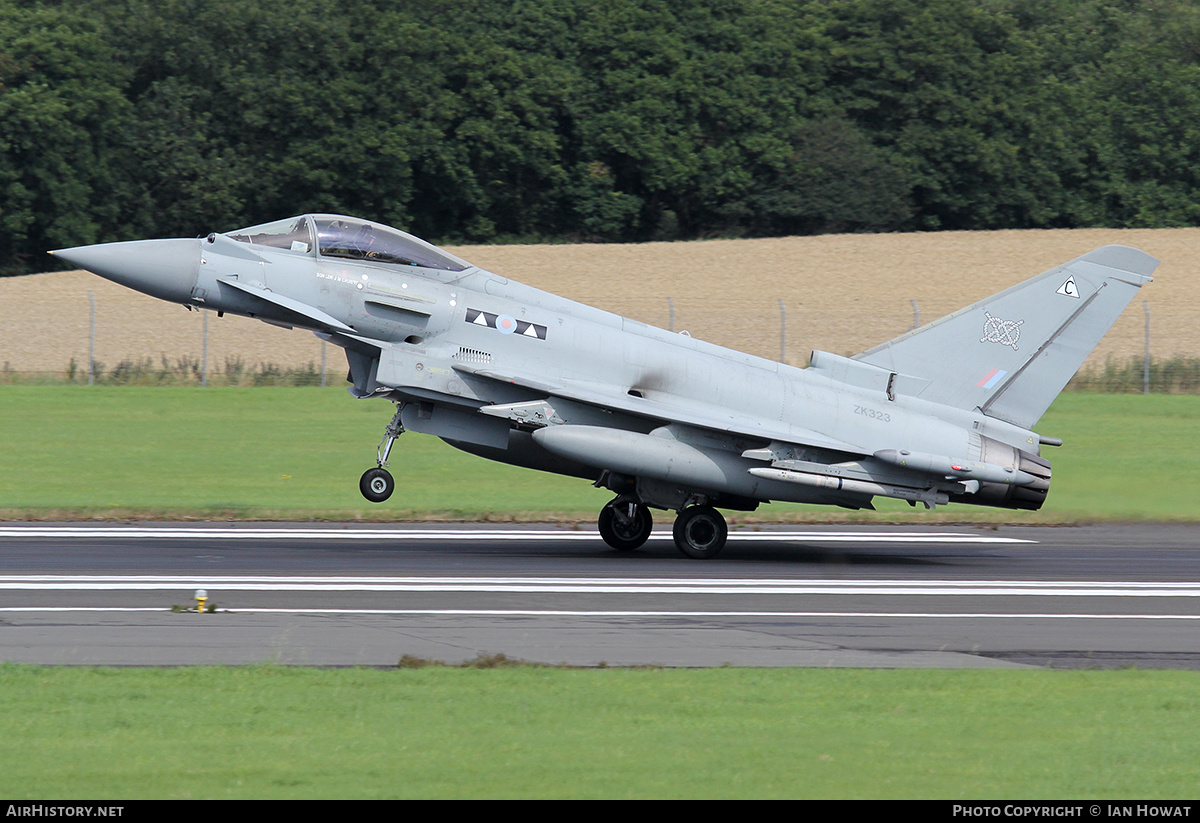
841	293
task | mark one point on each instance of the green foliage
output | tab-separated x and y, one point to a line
484	119
62	114
184	371
1174	375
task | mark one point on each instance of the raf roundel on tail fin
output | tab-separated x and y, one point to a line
1012	353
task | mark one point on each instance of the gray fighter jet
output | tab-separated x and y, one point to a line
942	414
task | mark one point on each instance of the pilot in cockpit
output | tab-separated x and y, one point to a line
364	241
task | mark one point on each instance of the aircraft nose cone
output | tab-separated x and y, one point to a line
161	268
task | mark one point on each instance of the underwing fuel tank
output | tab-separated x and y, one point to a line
635	454
667	460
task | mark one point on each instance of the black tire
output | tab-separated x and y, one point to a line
621	532
700	532
376	485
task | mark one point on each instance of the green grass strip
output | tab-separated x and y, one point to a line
71	452
530	732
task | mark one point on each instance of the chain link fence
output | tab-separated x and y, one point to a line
126	339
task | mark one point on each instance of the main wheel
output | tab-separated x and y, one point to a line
700	532
376	485
625	525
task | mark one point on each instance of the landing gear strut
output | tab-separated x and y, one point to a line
700	532
377	484
625	524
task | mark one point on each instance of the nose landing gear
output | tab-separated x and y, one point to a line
377	484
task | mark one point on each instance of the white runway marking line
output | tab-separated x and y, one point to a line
568	585
149	533
610	614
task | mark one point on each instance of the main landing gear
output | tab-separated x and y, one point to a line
625	524
377	484
700	531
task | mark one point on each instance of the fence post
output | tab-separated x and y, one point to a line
671	309
916	314
323	364
1146	357
92	341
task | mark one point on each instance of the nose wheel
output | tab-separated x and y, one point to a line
376	485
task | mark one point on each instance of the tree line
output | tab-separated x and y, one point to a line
622	120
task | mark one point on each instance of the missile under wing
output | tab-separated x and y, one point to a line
663	421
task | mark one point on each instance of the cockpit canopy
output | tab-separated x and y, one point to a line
349	238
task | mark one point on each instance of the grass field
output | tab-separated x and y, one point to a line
77	452
527	732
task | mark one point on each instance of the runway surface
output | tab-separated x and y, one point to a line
341	594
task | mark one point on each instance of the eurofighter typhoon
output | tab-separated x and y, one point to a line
942	414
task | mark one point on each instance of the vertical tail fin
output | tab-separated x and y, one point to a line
1012	353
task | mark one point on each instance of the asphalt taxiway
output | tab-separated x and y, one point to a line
343	594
